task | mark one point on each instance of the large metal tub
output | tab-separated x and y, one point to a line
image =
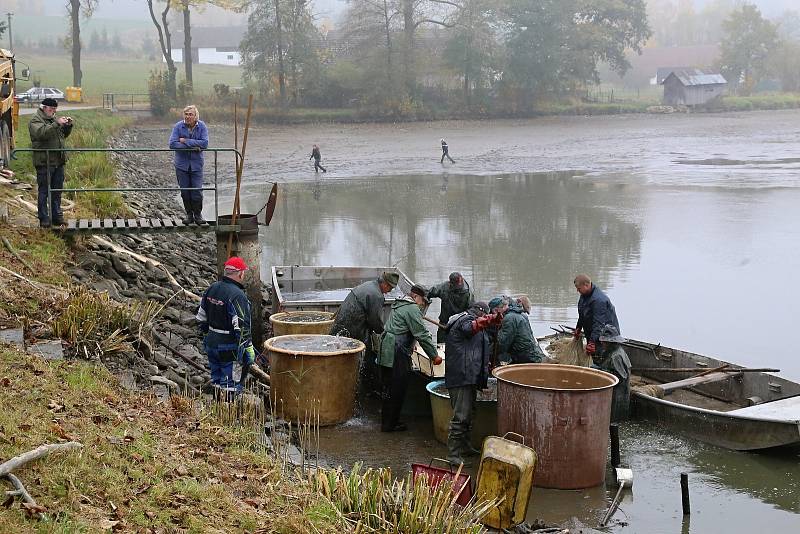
313	377
484	423
564	413
301	322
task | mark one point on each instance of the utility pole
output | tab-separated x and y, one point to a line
10	40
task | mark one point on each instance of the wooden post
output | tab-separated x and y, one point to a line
614	431
685	494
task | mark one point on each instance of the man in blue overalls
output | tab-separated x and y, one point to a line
224	317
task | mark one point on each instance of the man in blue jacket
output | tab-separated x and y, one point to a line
594	312
190	133
467	353
224	316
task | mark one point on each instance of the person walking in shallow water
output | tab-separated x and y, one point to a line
317	156
445	152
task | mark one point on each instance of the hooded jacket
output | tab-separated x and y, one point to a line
454	301
403	327
515	339
467	353
360	312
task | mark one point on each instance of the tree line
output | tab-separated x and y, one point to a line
397	54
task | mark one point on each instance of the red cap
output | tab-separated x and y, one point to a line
236	263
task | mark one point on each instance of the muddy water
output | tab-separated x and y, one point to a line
688	222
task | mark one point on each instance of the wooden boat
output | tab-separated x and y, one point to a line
744	411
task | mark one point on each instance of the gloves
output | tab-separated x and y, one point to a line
481	323
249	355
590	348
486	321
577	333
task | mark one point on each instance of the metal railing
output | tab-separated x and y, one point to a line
129	101
50	168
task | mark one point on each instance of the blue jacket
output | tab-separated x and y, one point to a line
196	138
594	312
224	314
467	353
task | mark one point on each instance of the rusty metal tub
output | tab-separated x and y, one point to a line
301	322
564	412
313	377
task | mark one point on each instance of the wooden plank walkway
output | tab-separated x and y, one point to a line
139	226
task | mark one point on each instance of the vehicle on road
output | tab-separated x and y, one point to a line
37	94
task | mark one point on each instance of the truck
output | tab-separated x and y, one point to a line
9	109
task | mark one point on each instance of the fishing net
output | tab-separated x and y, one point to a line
569	351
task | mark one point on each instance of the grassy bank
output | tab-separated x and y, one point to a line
84	170
757	102
118	75
144	464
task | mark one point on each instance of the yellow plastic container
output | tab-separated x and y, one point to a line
73	94
506	475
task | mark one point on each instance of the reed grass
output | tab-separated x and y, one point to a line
94	325
372	500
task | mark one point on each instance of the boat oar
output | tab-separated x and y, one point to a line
694	369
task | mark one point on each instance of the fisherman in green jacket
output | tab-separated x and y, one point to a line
400	331
456	298
48	132
515	339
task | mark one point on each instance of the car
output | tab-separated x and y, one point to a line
37	94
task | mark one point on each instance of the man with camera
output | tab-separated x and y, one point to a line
48	134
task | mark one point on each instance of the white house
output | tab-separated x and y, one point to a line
211	45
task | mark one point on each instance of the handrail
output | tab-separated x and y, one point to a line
50	190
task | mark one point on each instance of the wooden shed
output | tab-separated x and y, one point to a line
692	87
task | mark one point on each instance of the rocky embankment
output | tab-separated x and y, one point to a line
125	266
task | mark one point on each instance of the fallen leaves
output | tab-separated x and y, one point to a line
54	406
5	382
33	510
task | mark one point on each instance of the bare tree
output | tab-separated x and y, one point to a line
165	40
76	8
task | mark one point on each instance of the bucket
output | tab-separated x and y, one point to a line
564	412
485	420
301	322
313	377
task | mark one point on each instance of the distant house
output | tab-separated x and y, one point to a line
692	87
211	46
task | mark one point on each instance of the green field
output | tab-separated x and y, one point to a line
116	75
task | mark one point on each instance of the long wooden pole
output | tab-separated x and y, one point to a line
239	170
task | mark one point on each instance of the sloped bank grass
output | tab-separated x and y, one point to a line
757	102
177	466
92	170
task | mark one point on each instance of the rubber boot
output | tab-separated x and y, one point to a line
454	456
198	212
189	219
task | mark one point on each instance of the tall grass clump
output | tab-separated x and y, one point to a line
94	325
373	501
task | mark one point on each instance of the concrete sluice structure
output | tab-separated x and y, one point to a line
314	377
564	413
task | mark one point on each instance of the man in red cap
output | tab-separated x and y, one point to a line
224	317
